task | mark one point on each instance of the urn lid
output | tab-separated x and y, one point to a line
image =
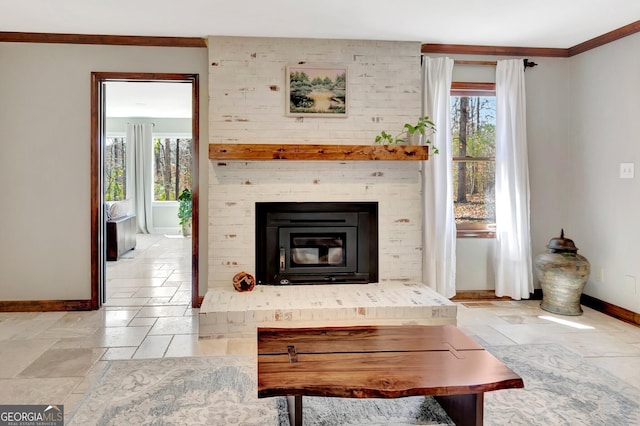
562	244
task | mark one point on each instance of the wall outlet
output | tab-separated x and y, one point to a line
629	285
627	170
600	275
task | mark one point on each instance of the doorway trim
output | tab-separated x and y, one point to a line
97	178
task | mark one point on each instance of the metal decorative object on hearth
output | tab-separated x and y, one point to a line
562	273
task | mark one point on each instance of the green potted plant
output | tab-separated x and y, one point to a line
412	134
184	211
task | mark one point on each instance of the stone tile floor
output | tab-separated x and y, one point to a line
52	357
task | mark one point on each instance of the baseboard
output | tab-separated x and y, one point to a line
464	295
44	305
167	231
596	304
53	305
612	310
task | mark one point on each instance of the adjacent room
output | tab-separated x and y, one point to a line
142	192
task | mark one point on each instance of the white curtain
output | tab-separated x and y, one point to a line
140	173
439	228
513	240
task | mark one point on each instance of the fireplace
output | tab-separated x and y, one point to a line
316	243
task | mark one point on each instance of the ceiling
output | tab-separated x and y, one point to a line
523	23
148	99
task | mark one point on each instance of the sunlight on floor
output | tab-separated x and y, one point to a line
565	322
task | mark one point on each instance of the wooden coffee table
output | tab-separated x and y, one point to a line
381	362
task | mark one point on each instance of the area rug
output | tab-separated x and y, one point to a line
561	388
178	391
415	410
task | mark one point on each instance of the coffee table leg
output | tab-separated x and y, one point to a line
295	409
464	410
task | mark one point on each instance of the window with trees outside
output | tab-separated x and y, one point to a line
171	169
115	166
473	121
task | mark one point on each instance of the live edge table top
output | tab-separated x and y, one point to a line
377	362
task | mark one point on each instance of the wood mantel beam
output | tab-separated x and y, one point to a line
317	152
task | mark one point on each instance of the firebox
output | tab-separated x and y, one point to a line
316	243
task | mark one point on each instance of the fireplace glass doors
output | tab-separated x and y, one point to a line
316	243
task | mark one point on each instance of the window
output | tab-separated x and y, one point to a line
115	169
473	121
172	167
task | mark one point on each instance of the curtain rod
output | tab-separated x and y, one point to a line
527	63
463	62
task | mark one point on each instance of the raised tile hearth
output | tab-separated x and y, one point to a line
226	312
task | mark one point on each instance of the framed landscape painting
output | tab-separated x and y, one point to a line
317	91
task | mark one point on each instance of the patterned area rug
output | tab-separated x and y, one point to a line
179	391
415	410
561	388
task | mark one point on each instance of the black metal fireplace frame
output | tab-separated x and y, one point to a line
364	216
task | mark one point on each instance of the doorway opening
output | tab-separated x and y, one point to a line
171	163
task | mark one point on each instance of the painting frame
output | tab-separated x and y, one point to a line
329	95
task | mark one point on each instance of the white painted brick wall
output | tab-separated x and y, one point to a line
247	105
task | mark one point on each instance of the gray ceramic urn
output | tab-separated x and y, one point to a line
562	273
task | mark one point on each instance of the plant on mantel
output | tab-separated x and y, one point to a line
421	129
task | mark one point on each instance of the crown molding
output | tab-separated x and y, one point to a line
614	35
117	40
469	49
198	42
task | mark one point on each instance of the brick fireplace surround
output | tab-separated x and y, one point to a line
246	105
398	297
227	312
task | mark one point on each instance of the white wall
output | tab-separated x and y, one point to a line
45	97
604	131
582	118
